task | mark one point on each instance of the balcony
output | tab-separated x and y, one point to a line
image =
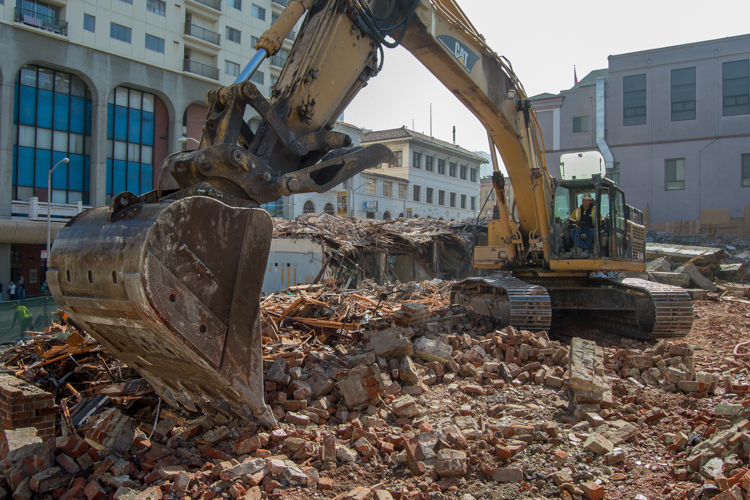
200	69
47	23
34	210
202	33
214	4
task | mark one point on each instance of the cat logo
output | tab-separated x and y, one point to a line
461	52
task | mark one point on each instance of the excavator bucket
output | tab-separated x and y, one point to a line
173	290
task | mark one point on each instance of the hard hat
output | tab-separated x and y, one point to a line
587	196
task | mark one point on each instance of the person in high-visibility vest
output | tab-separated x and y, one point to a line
583	216
23	317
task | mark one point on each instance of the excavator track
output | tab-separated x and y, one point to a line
672	308
512	301
626	306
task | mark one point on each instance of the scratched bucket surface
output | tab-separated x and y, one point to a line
173	289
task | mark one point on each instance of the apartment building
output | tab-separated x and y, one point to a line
111	85
443	178
673	125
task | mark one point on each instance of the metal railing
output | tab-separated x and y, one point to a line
214	4
200	69
47	23
202	33
33	209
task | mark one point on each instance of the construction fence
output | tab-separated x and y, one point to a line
14	321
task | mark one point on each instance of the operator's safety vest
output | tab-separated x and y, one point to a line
576	215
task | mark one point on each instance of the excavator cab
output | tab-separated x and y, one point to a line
618	234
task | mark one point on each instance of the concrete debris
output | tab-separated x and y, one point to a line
697	278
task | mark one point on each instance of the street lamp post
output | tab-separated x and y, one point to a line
49	202
182	140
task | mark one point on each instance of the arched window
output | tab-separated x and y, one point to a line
52	121
401	215
328	208
386	215
131	138
308	207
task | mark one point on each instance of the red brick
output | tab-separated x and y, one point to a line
592	490
325	483
93	491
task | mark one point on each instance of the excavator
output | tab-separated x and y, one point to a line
170	281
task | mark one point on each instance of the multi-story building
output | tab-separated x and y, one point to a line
443	178
111	85
429	178
673	125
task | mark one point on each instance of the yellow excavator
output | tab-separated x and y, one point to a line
170	280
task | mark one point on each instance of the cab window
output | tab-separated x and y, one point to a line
562	203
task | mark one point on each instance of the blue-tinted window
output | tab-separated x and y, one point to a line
62	107
233	35
148	128
48	105
77	114
121	123
147	177
27	105
134	125
89	23
26	174
118	178
75	169
258	77
156	6
154	43
259	12
44	109
130	148
119	32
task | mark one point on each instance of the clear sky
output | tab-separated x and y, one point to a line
543	39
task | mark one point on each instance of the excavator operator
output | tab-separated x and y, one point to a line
583	217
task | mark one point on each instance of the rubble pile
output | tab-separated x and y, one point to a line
718	266
438	249
383	394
